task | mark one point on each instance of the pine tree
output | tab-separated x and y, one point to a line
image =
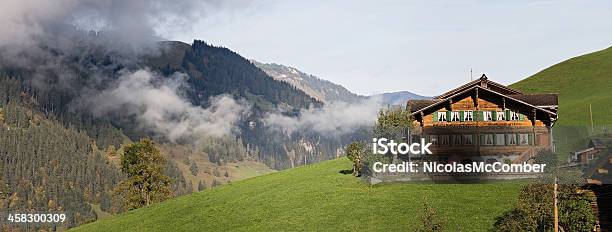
193	168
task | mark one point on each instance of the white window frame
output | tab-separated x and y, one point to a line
455	116
500	140
441	116
467	138
459	137
523	137
512	139
492	137
514	116
433	139
501	116
445	140
468	115
488	116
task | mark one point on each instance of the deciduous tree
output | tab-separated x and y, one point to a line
146	183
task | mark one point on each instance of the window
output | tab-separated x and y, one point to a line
434	139
500	139
512	139
501	116
441	116
468	139
456	140
488	116
514	116
455	116
523	139
468	116
488	139
444	140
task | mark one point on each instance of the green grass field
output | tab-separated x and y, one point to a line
580	81
317	197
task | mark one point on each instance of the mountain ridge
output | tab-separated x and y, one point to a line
328	91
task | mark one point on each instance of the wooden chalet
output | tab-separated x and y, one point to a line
485	121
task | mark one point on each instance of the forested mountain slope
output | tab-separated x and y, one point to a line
47	167
58	152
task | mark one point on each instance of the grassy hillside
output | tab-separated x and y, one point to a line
580	81
318	197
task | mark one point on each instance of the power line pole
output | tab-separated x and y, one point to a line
591	114
556	209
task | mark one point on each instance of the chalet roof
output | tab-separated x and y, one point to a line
483	82
546	99
583	151
602	143
416	105
441	101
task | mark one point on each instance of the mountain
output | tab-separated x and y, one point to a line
327	91
399	98
322	90
217	70
66	114
319	197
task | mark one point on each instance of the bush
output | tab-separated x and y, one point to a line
534	210
355	152
514	221
430	219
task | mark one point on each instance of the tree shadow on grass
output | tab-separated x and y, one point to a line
346	171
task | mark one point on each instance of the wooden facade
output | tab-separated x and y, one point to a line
485	121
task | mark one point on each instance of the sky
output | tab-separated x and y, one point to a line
372	47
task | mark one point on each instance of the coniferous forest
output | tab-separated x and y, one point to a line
57	157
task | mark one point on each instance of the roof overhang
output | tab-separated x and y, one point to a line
438	105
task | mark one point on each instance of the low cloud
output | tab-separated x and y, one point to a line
24	21
156	103
333	119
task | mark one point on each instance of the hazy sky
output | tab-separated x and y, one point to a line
381	46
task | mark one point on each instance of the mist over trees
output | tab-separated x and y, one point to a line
57	153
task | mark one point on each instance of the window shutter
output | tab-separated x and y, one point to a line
482	139
494	113
448	116
494	139
461	114
530	139
480	115
521	117
507	115
435	116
